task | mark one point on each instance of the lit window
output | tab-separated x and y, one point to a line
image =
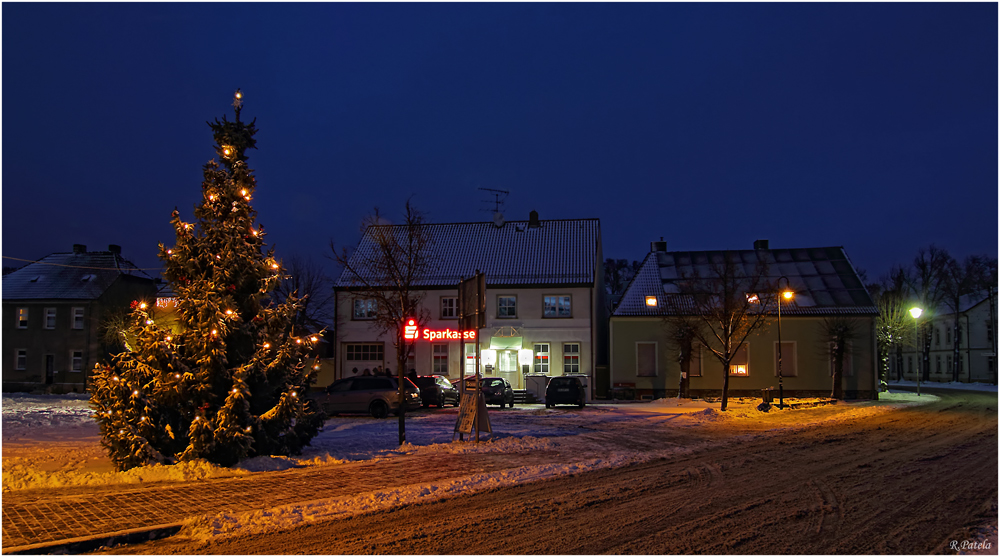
22	358
571	358
76	359
739	365
506	306
556	306
449	309
50	318
77	318
753	298
541	360
470	359
365	308
440	359
22	318
651	301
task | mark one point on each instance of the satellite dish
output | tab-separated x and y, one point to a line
498	219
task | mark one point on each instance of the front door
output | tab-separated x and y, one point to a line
507	367
50	369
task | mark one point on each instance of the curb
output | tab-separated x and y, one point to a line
85	544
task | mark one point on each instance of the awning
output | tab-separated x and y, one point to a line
505	343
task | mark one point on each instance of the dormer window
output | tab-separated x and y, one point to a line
86	278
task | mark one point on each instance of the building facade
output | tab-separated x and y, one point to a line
977	359
545	304
52	315
644	360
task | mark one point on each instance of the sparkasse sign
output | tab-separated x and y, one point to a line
412	332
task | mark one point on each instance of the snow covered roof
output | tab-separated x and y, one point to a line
80	275
824	280
514	253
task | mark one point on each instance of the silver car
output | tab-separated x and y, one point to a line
374	395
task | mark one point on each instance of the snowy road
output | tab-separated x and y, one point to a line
903	482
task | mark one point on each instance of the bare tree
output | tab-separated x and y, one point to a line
928	286
307	282
723	308
387	269
961	280
682	338
839	331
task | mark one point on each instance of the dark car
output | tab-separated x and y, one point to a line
367	394
565	390
497	391
437	390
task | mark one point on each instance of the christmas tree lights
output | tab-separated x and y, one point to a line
224	385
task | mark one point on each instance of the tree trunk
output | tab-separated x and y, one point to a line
685	361
899	362
725	384
838	371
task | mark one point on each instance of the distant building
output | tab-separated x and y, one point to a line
977	355
545	303
52	313
644	362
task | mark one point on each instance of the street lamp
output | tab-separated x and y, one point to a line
916	312
787	294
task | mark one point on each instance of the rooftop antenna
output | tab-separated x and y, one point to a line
498	198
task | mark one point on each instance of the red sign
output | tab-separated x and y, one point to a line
412	332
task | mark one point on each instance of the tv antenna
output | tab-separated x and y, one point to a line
498	198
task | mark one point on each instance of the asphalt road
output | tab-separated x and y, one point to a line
903	482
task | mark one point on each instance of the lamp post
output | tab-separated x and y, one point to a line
916	312
788	295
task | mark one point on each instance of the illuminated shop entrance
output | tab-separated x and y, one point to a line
505	351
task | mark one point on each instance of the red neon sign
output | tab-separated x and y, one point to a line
412	332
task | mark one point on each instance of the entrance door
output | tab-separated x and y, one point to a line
507	360
50	369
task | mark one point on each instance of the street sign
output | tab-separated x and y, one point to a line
472	302
472	409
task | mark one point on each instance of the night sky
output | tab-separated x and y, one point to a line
871	126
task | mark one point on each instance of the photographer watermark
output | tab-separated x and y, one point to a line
967	545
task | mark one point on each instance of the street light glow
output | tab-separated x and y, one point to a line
788	294
916	312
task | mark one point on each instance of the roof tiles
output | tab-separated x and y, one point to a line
69	276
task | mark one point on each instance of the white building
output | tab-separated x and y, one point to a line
546	312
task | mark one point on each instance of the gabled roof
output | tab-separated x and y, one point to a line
555	252
68	276
824	281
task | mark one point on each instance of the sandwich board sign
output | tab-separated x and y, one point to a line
469	412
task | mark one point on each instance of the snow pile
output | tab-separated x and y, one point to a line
22	474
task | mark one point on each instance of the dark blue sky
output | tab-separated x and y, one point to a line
872	126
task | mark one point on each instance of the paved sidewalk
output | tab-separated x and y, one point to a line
44	516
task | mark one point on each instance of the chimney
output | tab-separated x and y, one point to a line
533	220
115	249
760	244
660	246
79	248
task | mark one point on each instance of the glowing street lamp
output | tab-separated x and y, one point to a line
916	312
787	294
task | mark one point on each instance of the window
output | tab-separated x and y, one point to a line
789	359
947	336
22	318
989	332
440	359
22	358
739	365
909	362
449	307
937	336
938	362
470	359
50	318
571	358
848	352
645	359
371	352
694	369
651	301
506	306
76	357
365	308
541	350
556	306
77	318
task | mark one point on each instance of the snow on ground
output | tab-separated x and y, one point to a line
985	387
52	441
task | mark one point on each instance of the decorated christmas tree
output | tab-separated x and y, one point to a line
228	380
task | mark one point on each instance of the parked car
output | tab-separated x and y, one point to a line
497	391
367	394
437	390
565	390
